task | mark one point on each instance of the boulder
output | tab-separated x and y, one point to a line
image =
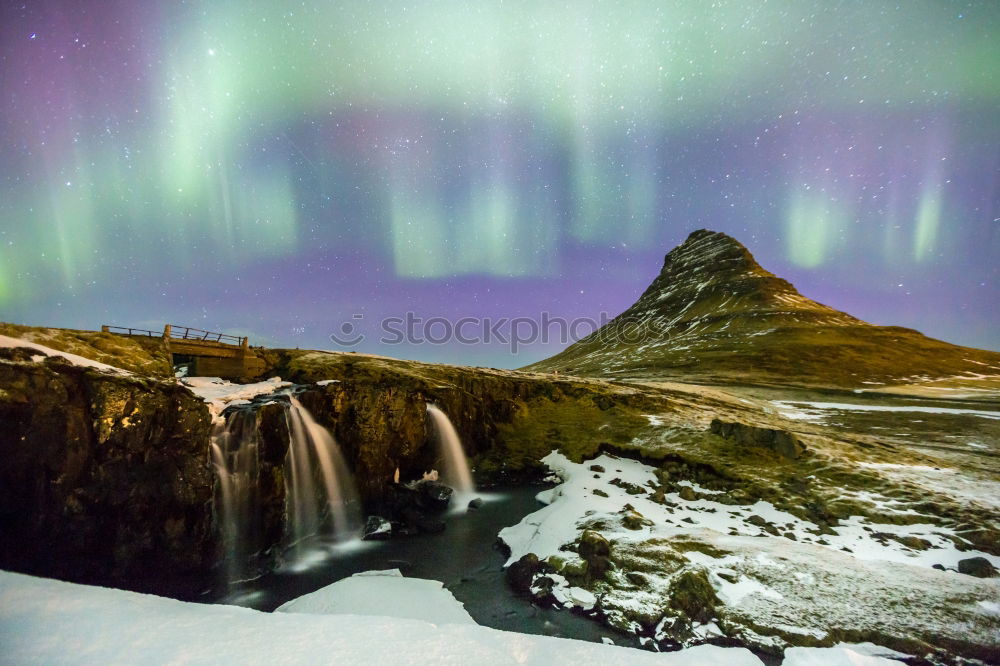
521	573
377	529
433	495
595	551
980	567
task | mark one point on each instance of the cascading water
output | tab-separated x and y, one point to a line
321	498
235	447
456	471
337	510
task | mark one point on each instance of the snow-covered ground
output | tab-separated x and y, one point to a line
220	393
384	593
9	342
52	622
802	410
796	579
574	501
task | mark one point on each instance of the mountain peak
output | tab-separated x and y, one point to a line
706	250
711	263
714	313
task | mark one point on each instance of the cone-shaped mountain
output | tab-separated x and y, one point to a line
714	314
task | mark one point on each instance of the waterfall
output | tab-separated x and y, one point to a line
337	510
234	447
456	467
320	496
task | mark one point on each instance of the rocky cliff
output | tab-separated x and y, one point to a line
507	420
104	477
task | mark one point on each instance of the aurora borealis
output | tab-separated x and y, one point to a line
272	169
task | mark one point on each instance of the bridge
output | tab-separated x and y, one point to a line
209	354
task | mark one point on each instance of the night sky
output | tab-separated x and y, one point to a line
272	168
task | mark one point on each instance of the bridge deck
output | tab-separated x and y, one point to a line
212	354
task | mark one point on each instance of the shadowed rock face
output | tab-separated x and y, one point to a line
781	442
714	314
104	478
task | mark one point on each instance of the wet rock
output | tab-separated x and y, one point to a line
433	495
980	567
521	573
541	590
377	529
475	503
781	442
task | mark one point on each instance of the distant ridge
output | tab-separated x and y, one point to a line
714	314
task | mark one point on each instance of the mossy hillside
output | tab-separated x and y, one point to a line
834	356
141	355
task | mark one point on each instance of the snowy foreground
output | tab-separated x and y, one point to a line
52	622
848	578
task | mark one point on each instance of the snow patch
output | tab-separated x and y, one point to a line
815	411
220	393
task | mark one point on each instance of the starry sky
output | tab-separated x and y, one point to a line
276	169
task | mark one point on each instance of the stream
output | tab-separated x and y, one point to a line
465	557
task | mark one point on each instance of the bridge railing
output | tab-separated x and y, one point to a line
174	332
122	330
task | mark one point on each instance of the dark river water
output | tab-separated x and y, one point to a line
465	557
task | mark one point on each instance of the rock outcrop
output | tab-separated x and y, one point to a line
507	421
